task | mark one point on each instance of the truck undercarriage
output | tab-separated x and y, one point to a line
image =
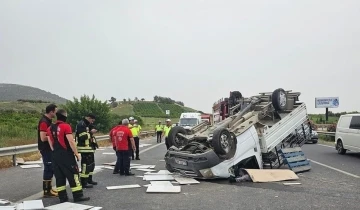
250	135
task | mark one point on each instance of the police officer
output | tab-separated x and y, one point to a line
158	130
167	129
138	126
45	150
135	133
64	149
85	147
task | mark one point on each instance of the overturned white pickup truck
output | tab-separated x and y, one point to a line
255	132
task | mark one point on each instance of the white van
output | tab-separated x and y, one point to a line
347	136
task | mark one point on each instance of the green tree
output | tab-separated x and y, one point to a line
79	108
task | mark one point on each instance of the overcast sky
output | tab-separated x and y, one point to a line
195	51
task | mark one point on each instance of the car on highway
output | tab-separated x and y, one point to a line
314	137
347	133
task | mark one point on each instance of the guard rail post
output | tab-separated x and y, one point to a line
14	159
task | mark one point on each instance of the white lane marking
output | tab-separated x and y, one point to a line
324	145
39	194
335	169
152	147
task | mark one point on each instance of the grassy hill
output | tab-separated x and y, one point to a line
14	92
151	112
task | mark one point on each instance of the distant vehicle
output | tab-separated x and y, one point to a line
347	135
189	120
314	137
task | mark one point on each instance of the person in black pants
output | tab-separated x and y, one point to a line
122	135
45	150
159	130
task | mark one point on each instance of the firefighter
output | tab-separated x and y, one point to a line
124	141
112	138
62	143
84	146
167	129
159	130
135	133
94	146
45	150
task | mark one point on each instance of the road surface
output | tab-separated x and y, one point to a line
333	183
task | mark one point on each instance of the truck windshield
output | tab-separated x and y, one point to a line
188	121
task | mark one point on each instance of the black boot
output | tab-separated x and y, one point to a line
91	181
129	174
79	196
85	183
81	199
63	196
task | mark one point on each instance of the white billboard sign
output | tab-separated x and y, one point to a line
327	102
167	112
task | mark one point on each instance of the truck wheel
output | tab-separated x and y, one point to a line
175	139
222	141
279	99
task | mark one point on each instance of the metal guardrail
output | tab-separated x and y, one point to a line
326	133
16	150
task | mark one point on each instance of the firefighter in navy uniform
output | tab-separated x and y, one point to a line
95	146
62	143
85	148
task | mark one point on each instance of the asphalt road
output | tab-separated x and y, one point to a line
333	184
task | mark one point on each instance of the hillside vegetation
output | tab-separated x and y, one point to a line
14	92
151	109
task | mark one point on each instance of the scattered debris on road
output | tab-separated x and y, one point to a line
123	187
30	166
184	180
264	175
68	205
291	183
4	202
162	187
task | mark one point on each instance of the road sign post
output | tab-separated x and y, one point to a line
167	112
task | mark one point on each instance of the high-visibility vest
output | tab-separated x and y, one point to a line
167	130
134	130
159	128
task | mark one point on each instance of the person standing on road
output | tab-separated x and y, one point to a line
124	141
94	145
84	146
159	130
112	138
45	150
135	132
62	143
167	129
138	126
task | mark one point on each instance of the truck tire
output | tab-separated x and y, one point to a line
279	99
174	139
223	142
235	94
